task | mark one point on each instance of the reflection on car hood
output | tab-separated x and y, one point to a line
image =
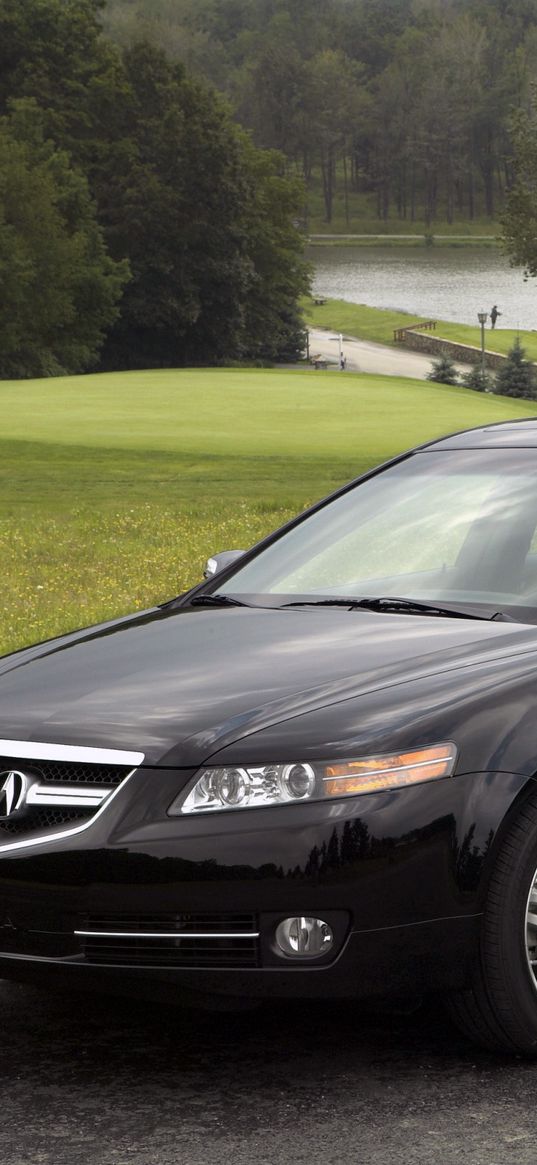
177	684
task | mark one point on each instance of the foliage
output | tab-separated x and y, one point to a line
273	324
517	377
179	194
477	379
59	288
519	222
443	371
174	203
407	101
206	222
53	51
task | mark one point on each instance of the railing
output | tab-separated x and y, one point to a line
426	325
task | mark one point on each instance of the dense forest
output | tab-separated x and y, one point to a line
405	102
139	225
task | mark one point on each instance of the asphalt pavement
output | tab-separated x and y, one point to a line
365	356
109	1082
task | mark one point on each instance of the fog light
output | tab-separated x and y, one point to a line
304	937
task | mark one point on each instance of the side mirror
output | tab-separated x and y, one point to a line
218	562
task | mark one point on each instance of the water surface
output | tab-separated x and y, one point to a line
444	283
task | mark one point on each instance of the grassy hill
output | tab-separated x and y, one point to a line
115	488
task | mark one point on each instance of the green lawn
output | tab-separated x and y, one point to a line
499	340
373	323
116	488
357	319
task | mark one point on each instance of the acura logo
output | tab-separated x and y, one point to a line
13	789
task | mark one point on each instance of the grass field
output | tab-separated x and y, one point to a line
116	488
373	323
345	238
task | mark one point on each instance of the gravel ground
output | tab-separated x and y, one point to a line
107	1082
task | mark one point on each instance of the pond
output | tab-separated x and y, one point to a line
447	283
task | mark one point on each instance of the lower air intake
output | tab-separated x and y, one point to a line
180	940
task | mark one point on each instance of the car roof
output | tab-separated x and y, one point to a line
517	434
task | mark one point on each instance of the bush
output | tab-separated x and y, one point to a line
477	379
443	371
517	377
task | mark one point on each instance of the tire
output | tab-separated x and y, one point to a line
499	1010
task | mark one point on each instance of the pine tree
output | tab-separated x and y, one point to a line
477	379
443	371
517	377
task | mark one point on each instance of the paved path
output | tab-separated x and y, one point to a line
365	356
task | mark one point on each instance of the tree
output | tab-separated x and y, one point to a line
60	290
443	371
441	77
270	98
53	51
335	104
477	379
517	376
170	201
273	324
519	221
205	222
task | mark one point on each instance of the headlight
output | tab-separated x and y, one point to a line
252	787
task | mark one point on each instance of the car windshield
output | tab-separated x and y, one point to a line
441	526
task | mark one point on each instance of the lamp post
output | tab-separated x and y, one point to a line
482	317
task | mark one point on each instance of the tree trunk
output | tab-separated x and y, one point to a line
346	189
487	170
413	194
471	195
327	171
355	167
450	193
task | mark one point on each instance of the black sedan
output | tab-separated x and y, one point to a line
314	775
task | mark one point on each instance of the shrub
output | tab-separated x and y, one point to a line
477	379
443	371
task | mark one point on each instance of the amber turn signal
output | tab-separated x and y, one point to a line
375	773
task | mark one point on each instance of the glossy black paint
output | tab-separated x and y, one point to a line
403	874
179	684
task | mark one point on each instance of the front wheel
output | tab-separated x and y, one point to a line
499	1010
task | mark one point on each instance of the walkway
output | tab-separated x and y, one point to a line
365	356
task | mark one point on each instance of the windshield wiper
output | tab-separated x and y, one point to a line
216	601
391	604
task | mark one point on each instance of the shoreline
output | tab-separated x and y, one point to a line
406	240
380	324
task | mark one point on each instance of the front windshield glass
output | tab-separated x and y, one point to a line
454	526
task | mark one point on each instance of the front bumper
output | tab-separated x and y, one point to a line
125	904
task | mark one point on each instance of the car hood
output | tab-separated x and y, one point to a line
180	684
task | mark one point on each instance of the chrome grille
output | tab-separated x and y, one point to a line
59	794
60	772
39	818
171	940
